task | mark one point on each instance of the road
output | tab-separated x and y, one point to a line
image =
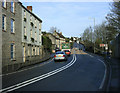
81	72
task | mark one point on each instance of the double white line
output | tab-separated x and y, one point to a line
33	80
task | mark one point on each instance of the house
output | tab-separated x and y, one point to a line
21	37
11	32
59	39
31	35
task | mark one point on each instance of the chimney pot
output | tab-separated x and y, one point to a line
29	8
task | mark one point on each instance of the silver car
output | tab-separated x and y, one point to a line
60	55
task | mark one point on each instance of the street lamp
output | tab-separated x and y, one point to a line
94	31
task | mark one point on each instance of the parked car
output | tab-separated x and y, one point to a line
67	52
59	56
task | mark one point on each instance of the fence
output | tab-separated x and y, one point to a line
15	65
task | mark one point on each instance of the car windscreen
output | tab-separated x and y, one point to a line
59	52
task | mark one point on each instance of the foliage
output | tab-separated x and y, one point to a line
53	29
67	39
113	19
47	43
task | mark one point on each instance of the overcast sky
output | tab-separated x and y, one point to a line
72	18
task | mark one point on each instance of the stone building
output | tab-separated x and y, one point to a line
59	39
11	32
31	35
21	34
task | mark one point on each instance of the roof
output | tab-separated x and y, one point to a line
60	35
30	12
52	35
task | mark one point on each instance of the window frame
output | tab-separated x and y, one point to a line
12	25
4	23
4	4
25	31
12	8
12	51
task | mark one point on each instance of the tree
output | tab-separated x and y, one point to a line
53	29
113	19
47	46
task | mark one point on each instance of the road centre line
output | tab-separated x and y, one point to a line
101	86
25	83
90	55
27	68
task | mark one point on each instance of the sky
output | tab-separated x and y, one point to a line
72	18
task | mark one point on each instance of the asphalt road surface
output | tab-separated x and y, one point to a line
81	72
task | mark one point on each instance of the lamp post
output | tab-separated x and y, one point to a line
92	34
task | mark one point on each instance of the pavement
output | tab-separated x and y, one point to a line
115	77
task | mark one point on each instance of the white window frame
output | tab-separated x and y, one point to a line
25	31
35	22
35	51
13	52
12	7
13	26
4	22
28	51
24	14
31	33
30	18
38	51
4	4
32	50
35	36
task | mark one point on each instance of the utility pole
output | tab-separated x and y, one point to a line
92	34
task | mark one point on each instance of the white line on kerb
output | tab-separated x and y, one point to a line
104	74
33	80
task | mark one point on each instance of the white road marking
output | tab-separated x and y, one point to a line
101	86
27	68
25	83
90	55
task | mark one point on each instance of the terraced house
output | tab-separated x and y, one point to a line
31	35
21	33
11	32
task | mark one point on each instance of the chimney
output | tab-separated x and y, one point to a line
29	8
61	33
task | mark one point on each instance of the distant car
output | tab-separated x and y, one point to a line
67	52
59	56
56	50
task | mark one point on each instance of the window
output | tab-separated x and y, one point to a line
12	6
39	25
35	23
35	36
25	32
32	51
40	37
31	32
4	22
12	26
38	50
12	51
24	14
30	18
4	3
35	50
28	51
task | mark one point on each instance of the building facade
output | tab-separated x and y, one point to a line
59	39
21	35
11	32
31	35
